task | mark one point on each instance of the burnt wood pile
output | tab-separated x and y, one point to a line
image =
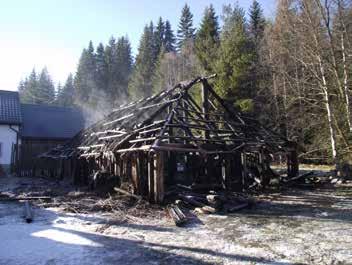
169	138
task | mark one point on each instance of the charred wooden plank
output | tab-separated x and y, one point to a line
233	208
133	149
128	193
119	119
177	215
142	140
25	198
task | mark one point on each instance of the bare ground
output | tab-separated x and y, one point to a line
290	227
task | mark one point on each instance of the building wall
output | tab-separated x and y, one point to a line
7	138
29	150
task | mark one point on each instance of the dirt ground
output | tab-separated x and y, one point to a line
290	227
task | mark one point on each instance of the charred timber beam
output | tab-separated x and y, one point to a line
150	119
25	198
143	140
159	185
112	136
221	101
124	192
177	215
151	130
176	149
107	131
200	128
119	119
142	148
193	139
217	121
198	114
205	105
90	147
168	121
90	154
201	113
158	104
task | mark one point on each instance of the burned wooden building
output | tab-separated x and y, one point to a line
157	142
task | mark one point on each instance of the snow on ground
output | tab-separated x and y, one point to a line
296	227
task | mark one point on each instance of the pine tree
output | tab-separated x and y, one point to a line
141	80
169	38
45	93
235	56
185	31
65	95
207	40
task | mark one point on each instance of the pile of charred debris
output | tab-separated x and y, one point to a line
182	203
203	146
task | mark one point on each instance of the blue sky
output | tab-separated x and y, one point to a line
53	33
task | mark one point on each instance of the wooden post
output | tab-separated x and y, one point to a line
134	174
205	104
159	177
151	177
227	172
185	114
244	170
292	164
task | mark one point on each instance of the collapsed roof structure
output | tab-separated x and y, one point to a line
169	139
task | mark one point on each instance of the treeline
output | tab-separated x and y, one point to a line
164	58
292	72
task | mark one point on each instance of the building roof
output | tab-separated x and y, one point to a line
50	122
172	120
10	110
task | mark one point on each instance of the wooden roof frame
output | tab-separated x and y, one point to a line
172	120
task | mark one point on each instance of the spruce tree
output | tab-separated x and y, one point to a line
256	23
45	93
85	79
29	90
185	31
110	59
159	35
141	80
21	87
58	93
159	75
123	67
101	69
169	38
207	40
235	57
65	95
256	34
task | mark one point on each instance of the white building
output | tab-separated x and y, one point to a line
35	129
10	123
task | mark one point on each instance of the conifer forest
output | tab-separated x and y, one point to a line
293	70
